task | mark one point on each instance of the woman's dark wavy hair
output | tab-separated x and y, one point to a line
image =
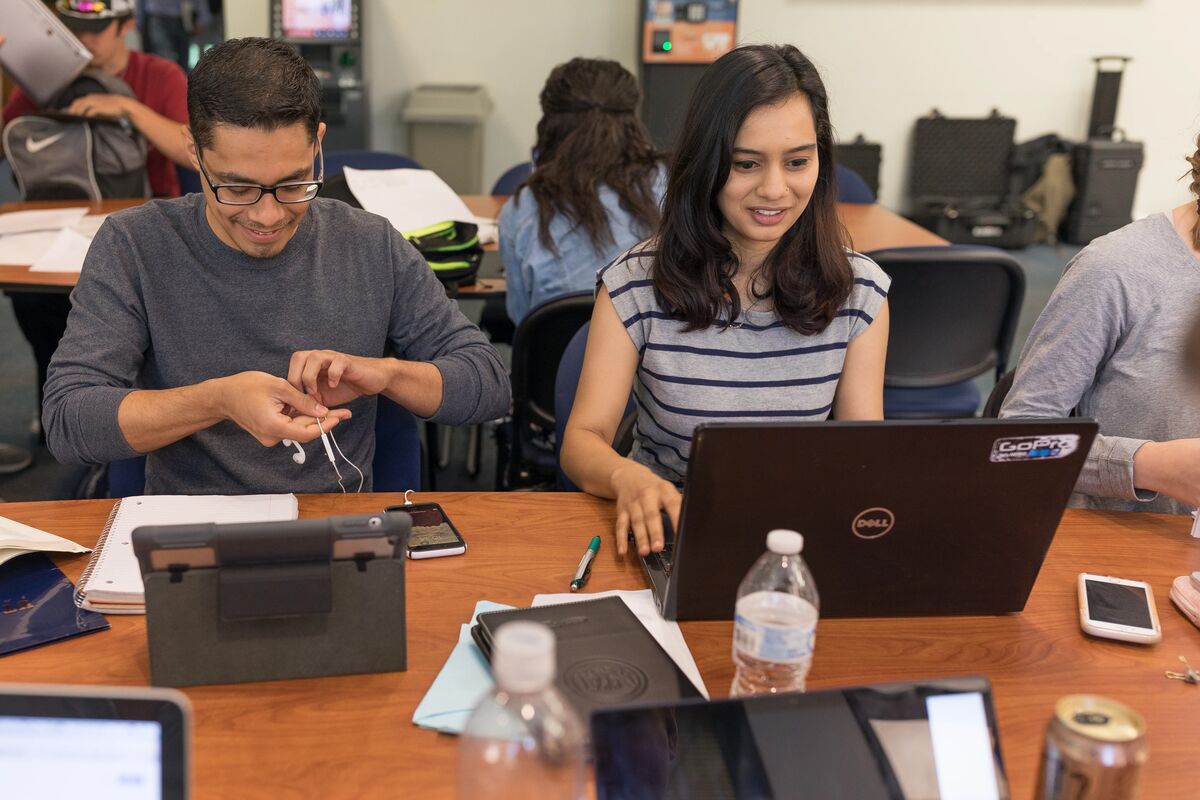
590	136
807	274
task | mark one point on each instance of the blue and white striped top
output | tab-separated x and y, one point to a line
760	371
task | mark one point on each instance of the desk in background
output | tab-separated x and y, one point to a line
352	736
871	227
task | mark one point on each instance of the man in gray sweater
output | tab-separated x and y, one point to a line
208	329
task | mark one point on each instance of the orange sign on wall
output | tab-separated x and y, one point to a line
698	32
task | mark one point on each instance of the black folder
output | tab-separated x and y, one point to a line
605	656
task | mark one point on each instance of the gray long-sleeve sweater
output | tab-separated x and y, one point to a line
1110	342
163	303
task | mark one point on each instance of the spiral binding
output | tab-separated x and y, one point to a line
80	595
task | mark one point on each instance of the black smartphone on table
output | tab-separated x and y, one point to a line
433	534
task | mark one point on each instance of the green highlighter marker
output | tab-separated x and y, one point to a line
585	564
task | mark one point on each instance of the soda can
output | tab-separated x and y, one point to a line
1094	750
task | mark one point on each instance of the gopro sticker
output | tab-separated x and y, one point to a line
1034	448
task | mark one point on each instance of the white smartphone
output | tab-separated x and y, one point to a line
433	534
1116	608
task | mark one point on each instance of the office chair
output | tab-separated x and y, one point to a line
337	160
512	178
189	180
954	312
396	466
493	320
995	399
525	456
851	188
566	384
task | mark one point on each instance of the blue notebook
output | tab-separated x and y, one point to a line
37	605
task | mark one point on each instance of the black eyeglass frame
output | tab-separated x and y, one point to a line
271	190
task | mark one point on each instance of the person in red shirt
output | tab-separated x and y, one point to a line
158	108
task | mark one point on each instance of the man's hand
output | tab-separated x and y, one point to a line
260	404
334	378
101	105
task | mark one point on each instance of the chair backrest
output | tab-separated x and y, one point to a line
538	346
189	180
953	311
337	160
396	466
512	177
1000	391
851	187
566	384
9	191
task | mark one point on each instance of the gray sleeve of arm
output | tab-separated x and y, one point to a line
98	360
1069	344
428	326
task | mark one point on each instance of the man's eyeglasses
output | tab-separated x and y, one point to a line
247	194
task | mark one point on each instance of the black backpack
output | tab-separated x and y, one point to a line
58	156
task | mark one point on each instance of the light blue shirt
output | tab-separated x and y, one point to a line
535	274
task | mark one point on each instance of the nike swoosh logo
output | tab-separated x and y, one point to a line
41	144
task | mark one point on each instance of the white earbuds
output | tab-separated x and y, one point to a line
298	456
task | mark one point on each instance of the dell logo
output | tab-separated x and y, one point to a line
872	523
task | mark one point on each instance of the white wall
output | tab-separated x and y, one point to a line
886	62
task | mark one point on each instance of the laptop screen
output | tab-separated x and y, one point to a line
97	759
98	743
926	740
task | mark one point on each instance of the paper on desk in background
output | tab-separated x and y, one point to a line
17	539
409	198
48	219
641	603
65	254
90	224
25	248
465	677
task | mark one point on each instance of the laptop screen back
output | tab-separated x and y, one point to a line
102	744
934	739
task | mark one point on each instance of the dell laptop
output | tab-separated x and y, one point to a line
900	518
927	739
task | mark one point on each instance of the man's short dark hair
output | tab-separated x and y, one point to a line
252	83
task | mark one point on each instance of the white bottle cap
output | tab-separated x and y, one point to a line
523	657
785	542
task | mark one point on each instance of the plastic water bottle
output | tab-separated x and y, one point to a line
523	739
775	624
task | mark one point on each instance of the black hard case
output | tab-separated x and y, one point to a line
959	181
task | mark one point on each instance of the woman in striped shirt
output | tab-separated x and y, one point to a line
746	304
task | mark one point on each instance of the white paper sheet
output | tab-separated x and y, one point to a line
409	198
65	254
25	248
90	224
48	219
17	539
641	603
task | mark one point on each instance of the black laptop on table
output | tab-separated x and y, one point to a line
924	739
900	518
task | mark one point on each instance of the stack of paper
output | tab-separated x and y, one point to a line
50	240
466	675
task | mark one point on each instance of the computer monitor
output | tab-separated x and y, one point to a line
328	21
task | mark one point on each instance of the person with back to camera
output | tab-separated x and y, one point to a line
744	306
595	190
1110	343
206	329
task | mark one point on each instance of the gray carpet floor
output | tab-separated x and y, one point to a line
49	480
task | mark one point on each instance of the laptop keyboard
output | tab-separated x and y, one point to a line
662	561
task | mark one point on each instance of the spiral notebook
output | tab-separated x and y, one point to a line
112	583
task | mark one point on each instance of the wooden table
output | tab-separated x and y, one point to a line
352	736
870	226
